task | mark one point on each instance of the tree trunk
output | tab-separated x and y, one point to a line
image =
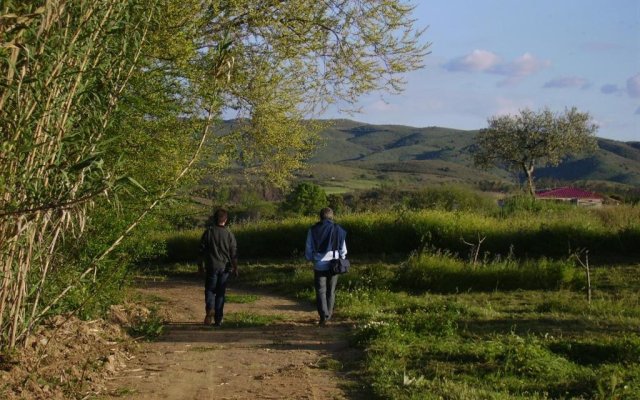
529	173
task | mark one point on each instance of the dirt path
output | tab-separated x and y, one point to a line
293	358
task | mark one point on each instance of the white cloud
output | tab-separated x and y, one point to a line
477	60
520	68
609	88
489	62
633	86
567	82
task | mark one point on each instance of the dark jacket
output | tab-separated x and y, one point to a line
326	235
218	247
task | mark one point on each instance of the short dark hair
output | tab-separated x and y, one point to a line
220	216
326	213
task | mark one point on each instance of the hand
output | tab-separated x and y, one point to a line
200	269
234	271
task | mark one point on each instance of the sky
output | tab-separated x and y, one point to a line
495	57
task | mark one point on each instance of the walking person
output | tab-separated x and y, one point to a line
219	259
318	249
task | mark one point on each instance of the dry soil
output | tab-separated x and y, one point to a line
292	358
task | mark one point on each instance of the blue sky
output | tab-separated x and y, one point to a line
491	57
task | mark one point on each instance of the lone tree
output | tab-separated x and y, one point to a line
522	142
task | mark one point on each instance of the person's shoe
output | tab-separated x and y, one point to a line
218	323
322	322
208	318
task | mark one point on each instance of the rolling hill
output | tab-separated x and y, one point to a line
359	155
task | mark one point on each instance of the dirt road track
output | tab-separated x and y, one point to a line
293	358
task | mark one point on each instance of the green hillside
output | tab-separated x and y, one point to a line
358	155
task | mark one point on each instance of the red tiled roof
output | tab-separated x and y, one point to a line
568	193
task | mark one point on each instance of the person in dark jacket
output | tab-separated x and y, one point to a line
219	259
318	249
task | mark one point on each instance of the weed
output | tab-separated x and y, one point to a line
329	363
241	298
148	328
248	320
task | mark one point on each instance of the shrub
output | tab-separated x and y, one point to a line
440	272
524	203
306	199
451	198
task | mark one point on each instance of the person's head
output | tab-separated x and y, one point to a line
326	213
220	217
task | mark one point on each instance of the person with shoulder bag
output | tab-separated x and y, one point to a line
326	242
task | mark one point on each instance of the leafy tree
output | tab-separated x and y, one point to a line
522	142
101	97
306	198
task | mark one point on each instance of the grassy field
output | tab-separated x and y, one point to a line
440	339
435	322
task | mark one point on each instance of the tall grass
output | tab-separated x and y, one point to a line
442	273
552	233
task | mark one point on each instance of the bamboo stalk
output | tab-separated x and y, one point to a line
93	265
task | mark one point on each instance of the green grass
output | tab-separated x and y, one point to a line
523	343
436	319
249	320
241	298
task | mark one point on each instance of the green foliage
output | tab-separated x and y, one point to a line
336	203
441	273
450	198
248	320
148	328
88	298
61	84
241	298
183	246
554	232
604	351
528	204
306	199
123	95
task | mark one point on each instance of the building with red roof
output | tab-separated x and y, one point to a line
572	195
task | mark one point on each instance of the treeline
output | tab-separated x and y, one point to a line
255	202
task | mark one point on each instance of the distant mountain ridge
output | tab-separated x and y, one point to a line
444	154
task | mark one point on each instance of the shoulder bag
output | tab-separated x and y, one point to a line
338	265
